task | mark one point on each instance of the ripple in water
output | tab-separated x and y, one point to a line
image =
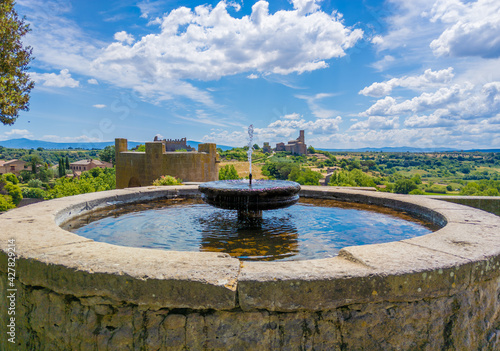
310	229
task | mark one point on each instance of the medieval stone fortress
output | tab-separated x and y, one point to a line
142	168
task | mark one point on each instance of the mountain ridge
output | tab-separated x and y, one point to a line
24	143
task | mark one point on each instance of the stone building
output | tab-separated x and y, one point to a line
267	148
87	165
297	146
176	144
142	168
14	166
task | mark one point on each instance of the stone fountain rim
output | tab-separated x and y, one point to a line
466	250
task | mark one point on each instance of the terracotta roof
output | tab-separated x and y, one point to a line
13	161
89	161
81	162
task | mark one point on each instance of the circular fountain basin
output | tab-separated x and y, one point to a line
240	195
311	229
437	291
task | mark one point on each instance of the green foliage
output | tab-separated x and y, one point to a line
96	179
140	148
238	154
417	179
35	183
15	83
279	170
61	168
108	154
26	176
351	178
167	180
416	192
13	190
437	189
482	188
34	193
10	177
304	176
6	203
404	186
228	172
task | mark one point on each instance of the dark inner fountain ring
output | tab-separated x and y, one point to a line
261	195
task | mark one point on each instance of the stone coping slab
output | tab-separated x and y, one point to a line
465	251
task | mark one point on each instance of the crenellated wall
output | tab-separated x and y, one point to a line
142	168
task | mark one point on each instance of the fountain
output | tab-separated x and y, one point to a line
414	292
249	197
76	293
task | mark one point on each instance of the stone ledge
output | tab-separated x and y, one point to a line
464	252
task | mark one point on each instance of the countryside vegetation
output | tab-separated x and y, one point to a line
445	173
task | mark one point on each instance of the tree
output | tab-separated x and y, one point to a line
61	168
108	154
15	83
404	186
228	172
67	162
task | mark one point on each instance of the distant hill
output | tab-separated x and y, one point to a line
408	149
24	143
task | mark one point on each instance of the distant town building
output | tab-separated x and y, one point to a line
87	165
280	147
297	146
267	148
176	144
14	166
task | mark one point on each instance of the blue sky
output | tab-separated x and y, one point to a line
421	73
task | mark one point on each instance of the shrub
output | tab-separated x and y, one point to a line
14	191
438	189
34	193
416	192
167	180
6	203
356	177
305	176
96	179
11	177
35	183
228	172
404	186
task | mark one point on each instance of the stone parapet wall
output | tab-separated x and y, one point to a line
142	168
440	291
486	203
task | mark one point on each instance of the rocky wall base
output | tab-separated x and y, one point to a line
45	320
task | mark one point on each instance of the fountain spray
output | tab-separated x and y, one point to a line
250	150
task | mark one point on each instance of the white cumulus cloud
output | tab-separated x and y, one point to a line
430	78
208	43
472	28
16	133
61	80
124	37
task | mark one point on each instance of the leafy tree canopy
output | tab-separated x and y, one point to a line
15	83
